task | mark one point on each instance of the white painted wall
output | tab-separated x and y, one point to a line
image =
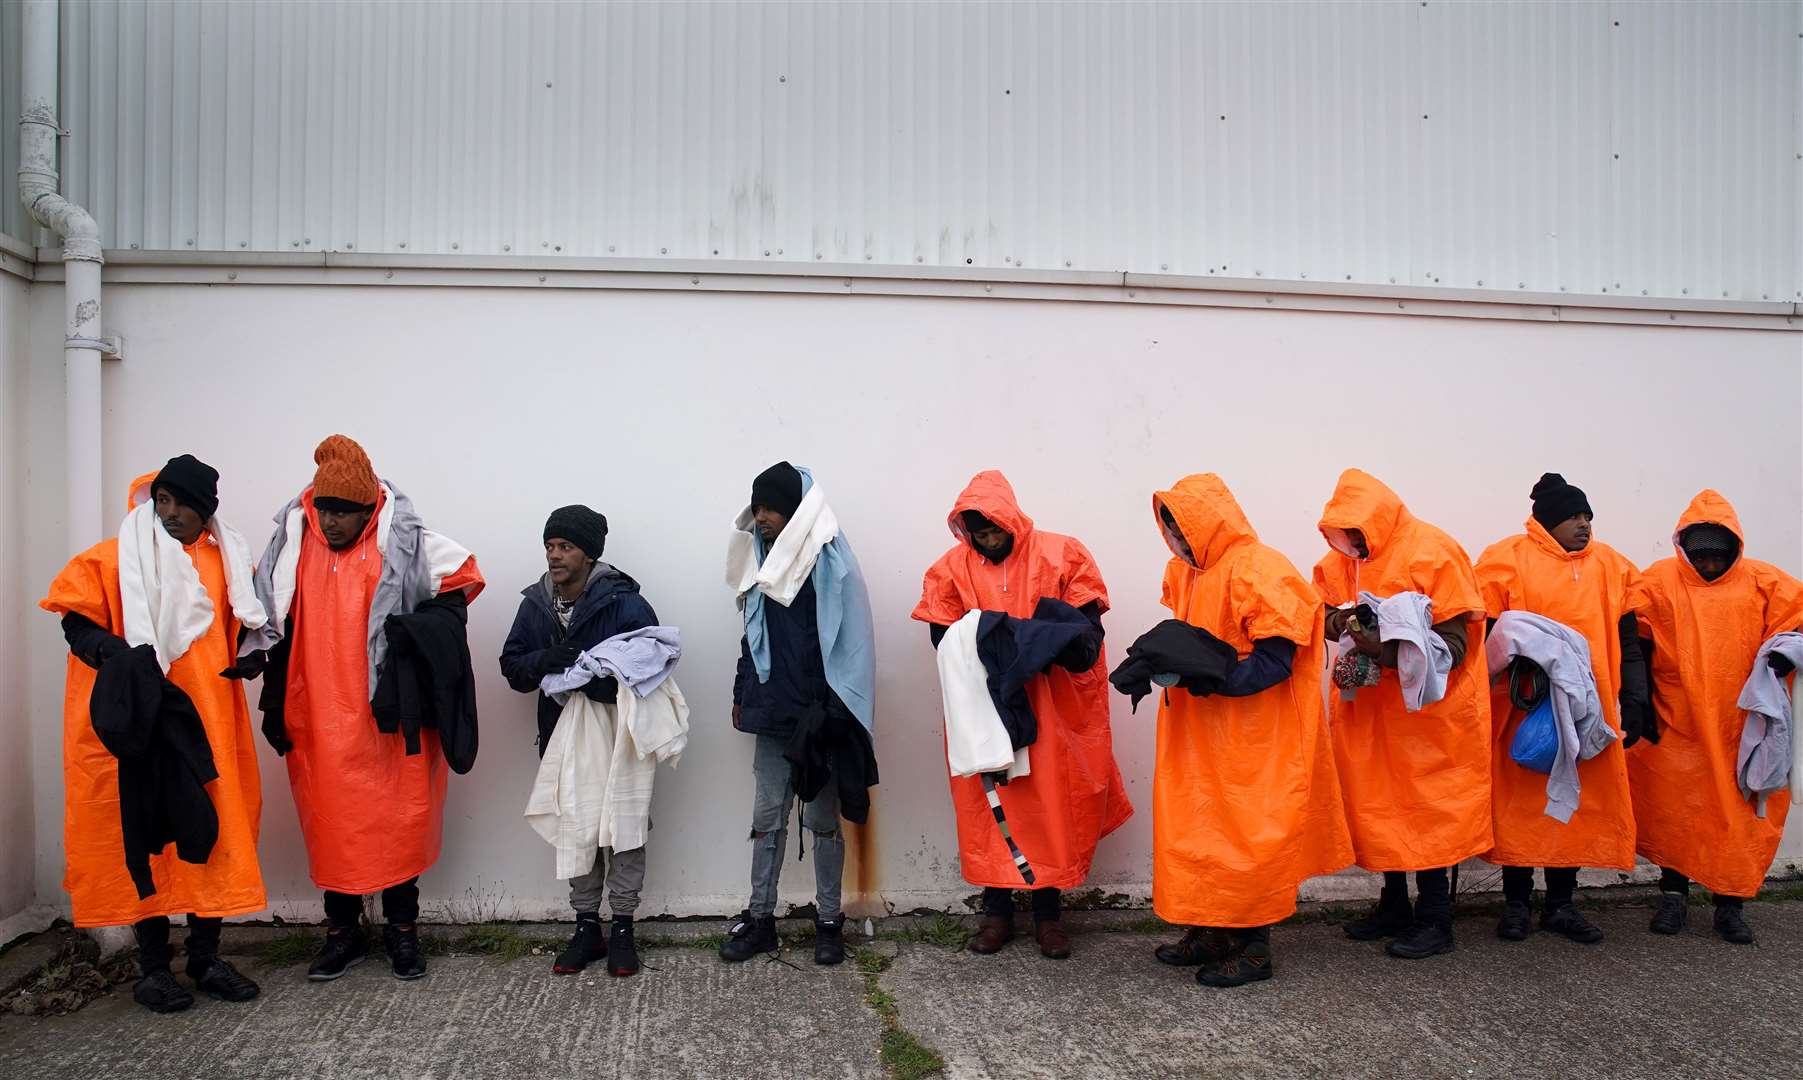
492	406
18	880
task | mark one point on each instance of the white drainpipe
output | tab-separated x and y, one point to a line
83	346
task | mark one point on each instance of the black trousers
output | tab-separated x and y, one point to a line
1432	887
400	905
155	952
1046	907
1673	882
1561	883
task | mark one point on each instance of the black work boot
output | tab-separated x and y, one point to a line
1249	962
1566	919
1517	922
1392	915
1731	924
829	941
344	949
622	953
1674	911
1199	945
749	936
587	945
401	943
160	993
1430	935
219	980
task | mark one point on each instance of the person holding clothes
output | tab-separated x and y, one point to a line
1073	796
1704	614
1557	569
1245	801
805	691
1416	783
575	605
157	744
350	567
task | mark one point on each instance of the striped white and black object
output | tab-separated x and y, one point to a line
1001	822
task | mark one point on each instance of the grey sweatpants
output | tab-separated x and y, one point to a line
621	874
770	832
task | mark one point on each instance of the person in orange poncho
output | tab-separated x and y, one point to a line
1557	570
1417	784
348	554
1074	795
1703	613
1245	802
174	607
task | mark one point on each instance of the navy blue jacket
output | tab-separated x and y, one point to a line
797	674
609	605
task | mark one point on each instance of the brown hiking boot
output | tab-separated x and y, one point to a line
1054	943
992	933
1200	945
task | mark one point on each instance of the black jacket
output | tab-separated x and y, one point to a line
829	745
1014	651
797	673
1201	661
165	762
425	680
609	606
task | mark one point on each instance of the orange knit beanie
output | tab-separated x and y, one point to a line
344	472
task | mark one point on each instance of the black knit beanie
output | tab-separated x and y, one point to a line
778	488
580	526
192	482
1555	500
1709	538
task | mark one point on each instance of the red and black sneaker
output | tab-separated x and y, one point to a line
587	945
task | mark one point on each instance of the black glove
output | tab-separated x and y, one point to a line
1779	663
275	732
604	690
1638	721
557	658
249	666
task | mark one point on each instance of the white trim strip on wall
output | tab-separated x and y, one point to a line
128	267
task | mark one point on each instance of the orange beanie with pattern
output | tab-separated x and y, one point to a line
344	472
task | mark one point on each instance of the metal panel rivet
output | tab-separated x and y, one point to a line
782	78
1067	262
403	243
506	247
389	274
231	275
547	86
1480	283
716	251
454	245
663	251
243	243
134	247
308	240
766	252
917	258
989	288
190	243
353	247
779	251
1164	266
1684	292
541	277
557	247
610	247
694	281
817	255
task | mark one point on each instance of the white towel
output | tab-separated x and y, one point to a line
165	604
790	560
976	740
593	788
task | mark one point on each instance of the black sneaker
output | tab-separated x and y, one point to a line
401	943
1428	937
829	941
1199	945
1250	962
587	945
1393	915
1674	909
160	993
1568	920
1517	922
1731	924
749	936
622	954
221	981
345	949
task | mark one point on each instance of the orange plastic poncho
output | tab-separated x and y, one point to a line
372	815
1074	796
1588	591
100	889
1417	785
1245	801
1705	635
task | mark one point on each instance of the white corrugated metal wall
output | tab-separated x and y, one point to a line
1639	148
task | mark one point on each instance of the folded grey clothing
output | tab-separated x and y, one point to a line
1199	660
1763	763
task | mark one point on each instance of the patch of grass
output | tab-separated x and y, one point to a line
499	940
707	942
1781	892
945	931
294	947
904	1056
1097	900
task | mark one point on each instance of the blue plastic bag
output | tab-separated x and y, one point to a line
1536	741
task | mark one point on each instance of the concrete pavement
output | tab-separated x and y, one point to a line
1636	1006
